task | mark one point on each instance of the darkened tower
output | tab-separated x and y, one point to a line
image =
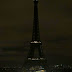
35	45
35	56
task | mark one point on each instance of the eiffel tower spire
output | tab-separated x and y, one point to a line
35	34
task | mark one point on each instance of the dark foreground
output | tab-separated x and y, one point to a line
51	68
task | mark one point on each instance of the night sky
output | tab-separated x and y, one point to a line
55	21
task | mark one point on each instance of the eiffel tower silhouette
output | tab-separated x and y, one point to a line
35	55
35	44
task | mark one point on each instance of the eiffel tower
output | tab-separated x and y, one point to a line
35	44
35	56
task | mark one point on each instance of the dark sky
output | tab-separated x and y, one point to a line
55	19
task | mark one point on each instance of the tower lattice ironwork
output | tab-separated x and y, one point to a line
35	55
35	44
